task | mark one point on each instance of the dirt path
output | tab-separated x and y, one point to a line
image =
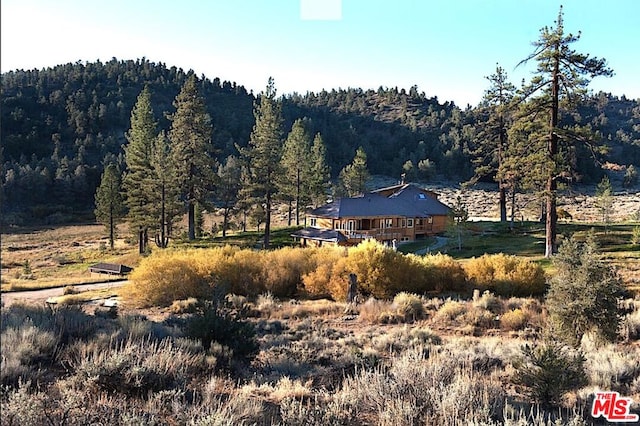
41	296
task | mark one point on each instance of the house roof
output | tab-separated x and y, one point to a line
320	235
402	200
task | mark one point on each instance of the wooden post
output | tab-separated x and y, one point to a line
353	288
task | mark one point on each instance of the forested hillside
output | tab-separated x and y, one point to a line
60	125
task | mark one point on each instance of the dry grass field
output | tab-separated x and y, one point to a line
58	256
437	359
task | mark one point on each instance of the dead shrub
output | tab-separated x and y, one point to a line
513	320
450	311
373	310
186	306
408	307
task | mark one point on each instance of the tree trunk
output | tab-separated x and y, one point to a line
225	223
298	186
551	185
141	246
501	188
163	219
513	207
111	226
267	225
503	203
192	221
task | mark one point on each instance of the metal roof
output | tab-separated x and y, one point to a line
405	201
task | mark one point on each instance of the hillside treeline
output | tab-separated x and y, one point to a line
60	125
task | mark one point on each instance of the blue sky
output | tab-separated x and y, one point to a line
445	47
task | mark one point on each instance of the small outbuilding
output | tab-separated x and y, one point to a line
110	269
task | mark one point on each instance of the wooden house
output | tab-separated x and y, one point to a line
394	214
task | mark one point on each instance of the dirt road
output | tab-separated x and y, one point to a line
41	296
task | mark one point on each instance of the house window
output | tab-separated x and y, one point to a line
388	223
409	223
430	219
403	223
314	222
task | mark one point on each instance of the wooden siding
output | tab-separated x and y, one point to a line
384	229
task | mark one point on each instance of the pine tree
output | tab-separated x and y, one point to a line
584	294
353	177
561	78
262	156
228	189
604	200
457	221
495	117
319	178
139	175
165	188
109	201
192	148
296	167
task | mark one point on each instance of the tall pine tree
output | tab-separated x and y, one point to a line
495	117
109	201
139	176
560	79
192	148
353	177
165	190
228	189
262	156
296	167
320	177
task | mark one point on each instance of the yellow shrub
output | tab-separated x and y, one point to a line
161	279
376	266
339	280
241	273
443	273
284	269
506	275
381	271
321	265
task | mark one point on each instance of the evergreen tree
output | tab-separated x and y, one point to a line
630	176
353	177
495	117
262	156
109	201
457	221
604	200
192	148
319	178
199	220
584	294
296	167
139	176
525	164
561	77
228	189
166	205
